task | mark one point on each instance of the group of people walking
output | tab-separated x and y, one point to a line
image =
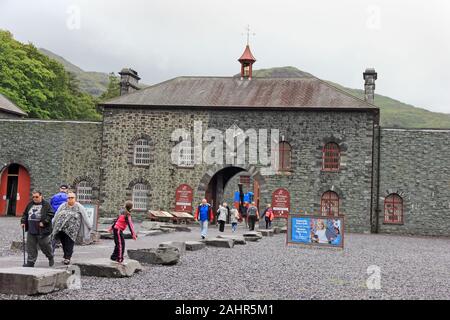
249	214
63	219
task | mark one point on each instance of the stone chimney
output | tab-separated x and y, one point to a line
369	84
129	80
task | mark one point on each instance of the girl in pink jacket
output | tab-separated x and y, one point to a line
118	227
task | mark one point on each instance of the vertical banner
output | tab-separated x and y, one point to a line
281	203
316	230
183	198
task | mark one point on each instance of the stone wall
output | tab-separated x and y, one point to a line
8	115
306	131
53	152
415	165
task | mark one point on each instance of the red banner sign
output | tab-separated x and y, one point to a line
281	203
183	198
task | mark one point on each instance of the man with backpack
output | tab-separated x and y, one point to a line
252	216
204	214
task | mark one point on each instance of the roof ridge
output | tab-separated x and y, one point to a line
344	92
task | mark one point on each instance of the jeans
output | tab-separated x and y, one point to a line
32	247
234	226
203	227
268	223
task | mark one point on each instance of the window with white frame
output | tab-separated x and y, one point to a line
142	152
140	196
84	192
186	157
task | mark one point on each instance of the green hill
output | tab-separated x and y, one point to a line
394	113
39	85
94	83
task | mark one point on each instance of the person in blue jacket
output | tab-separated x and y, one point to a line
59	198
204	214
56	201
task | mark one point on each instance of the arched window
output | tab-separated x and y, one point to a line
140	196
142	152
331	157
285	156
84	192
393	209
329	204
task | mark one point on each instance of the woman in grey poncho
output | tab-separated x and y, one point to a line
71	223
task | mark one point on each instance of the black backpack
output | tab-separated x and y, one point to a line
252	211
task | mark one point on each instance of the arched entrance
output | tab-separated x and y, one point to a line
14	190
214	182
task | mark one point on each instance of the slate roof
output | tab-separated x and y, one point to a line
7	106
228	92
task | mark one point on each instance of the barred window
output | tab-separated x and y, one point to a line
186	157
393	209
140	196
331	157
142	152
285	156
329	204
84	192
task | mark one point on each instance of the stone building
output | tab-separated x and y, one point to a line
331	156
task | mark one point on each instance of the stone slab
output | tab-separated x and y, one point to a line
149	233
17	245
252	234
161	255
252	239
150	225
177	227
106	220
220	243
283	230
194	245
266	233
181	245
238	240
276	230
31	281
104	267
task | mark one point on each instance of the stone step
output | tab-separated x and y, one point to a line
31	281
181	245
149	233
162	255
194	245
238	240
267	233
104	267
220	243
283	230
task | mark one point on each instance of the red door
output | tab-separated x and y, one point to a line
3	186
23	191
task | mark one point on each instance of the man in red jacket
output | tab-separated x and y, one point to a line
203	214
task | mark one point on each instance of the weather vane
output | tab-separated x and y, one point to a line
249	33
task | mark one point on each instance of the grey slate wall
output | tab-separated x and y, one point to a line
415	164
53	152
306	131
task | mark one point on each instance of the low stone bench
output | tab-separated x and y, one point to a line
194	245
103	267
238	240
31	281
161	255
220	243
177	244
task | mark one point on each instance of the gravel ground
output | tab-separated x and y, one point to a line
411	268
9	231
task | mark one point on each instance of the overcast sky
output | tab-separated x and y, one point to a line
408	42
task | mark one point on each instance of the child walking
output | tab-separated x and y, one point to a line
234	213
118	227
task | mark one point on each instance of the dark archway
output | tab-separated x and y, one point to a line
216	186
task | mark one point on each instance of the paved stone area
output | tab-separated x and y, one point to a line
411	268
